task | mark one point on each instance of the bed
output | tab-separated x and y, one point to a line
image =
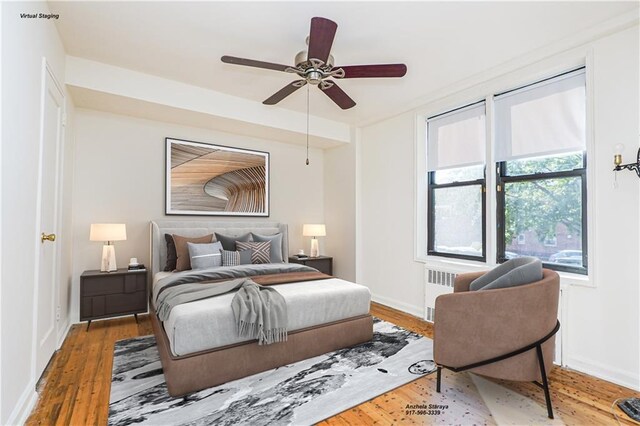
198	342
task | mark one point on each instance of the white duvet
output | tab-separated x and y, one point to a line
209	323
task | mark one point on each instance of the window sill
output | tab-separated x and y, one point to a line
452	264
569	279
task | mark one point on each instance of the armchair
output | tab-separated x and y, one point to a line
506	333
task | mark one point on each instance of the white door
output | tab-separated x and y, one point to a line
48	194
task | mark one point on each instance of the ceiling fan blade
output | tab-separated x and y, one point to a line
251	63
364	71
338	96
321	38
284	92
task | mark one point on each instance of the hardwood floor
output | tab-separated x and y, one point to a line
75	388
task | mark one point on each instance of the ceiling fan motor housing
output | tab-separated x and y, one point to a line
313	70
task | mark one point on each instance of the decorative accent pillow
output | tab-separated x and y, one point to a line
172	256
235	258
183	261
259	251
205	255
512	273
276	245
229	243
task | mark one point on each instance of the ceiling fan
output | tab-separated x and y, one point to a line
315	65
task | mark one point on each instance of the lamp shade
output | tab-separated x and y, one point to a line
108	232
314	230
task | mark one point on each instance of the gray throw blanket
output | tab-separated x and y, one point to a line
260	312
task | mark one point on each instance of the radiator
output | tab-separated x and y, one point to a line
437	281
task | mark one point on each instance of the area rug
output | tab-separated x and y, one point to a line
302	393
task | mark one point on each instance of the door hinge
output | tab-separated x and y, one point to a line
499	188
64	119
58	313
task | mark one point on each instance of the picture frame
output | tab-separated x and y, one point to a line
215	180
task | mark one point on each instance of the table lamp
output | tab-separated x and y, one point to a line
314	230
108	232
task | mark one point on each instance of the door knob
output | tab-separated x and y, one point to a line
50	237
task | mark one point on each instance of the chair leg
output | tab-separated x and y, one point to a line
438	379
545	382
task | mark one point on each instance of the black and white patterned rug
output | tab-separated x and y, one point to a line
298	394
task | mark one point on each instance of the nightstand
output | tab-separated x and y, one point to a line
323	264
112	294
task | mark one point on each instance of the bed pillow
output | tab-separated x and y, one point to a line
235	258
172	256
229	243
512	273
259	251
276	245
183	261
205	255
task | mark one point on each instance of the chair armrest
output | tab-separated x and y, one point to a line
463	281
474	326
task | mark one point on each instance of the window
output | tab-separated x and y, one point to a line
456	145
541	172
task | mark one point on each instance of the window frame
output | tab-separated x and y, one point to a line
502	177
431	187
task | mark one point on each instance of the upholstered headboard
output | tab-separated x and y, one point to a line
191	228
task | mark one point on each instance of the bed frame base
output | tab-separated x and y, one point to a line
194	372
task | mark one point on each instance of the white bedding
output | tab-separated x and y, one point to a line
205	324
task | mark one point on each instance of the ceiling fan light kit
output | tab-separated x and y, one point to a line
315	66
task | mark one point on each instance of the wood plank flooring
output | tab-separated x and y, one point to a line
75	388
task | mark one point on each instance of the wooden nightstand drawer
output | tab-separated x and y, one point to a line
323	264
125	303
133	283
104	295
99	286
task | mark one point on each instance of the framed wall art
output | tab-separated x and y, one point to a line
215	180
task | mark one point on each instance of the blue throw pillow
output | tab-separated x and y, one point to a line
514	272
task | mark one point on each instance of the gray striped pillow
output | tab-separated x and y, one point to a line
230	258
260	252
205	255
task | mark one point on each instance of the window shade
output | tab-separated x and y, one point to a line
542	119
456	139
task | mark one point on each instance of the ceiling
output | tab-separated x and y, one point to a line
441	43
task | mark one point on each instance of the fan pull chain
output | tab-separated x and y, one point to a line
307	124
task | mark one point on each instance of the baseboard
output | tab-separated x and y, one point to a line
25	405
396	304
65	330
604	372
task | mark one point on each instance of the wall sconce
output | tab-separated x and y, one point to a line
617	160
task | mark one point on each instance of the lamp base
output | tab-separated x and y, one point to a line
315	252
108	259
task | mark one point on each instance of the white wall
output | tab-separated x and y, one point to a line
387	215
120	172
340	209
24	43
601	330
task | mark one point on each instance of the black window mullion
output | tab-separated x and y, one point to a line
500	213
430	214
